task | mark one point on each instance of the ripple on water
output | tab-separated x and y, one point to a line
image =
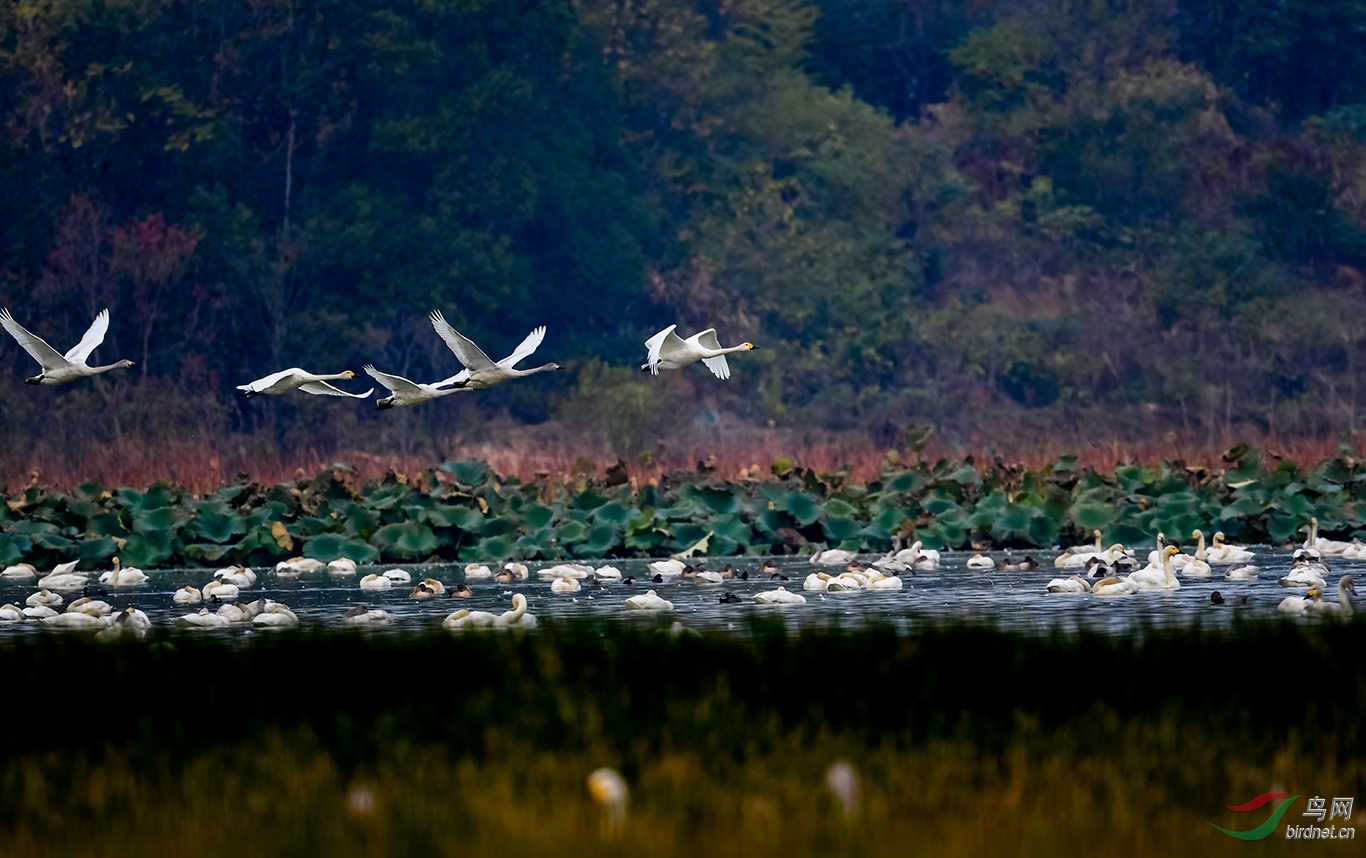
1011	600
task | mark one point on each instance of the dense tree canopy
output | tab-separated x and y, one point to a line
919	207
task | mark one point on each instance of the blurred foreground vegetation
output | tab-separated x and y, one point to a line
465	511
1079	213
965	741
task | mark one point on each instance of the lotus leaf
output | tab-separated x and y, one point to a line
409	540
146	550
836	508
498	548
468	472
841	529
1091	516
306	525
386	497
803	508
720	498
29	527
537	516
334	546
571	532
206	552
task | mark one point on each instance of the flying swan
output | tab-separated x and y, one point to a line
480	371
667	350
296	379
57	368
404	393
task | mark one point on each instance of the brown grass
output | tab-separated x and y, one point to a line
204	463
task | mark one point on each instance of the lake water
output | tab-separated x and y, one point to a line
1014	600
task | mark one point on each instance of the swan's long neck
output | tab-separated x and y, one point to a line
1312	540
545	367
94	370
711	353
1344	599
518	609
1099	548
1200	548
340	376
1167	574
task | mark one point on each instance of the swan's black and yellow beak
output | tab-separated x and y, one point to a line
752	346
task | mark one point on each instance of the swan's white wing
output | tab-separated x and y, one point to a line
523	351
395	383
460	376
322	388
46	355
707	340
263	384
94	335
469	354
662	342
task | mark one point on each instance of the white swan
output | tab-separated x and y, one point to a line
276	617
375	582
11	614
1241	572
667	568
1155	556
607	573
398	576
242	576
20	572
981	561
204	620
517	618
649	601
1071	584
235	613
296	379
1306	573
78	620
87	605
120	576
1294	605
706	576
480	371
1355	551
816	581
1114	587
342	567
578	571
1329	547
833	557
224	592
296	566
845	583
477	572
130	621
64	577
364	616
1343	606
44	597
565	585
187	596
38	612
1150	578
57	368
1222	553
1195	567
779	596
667	350
427	588
1076	556
404	393
465	619
882	583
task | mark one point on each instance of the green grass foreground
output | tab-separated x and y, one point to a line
464	511
966	741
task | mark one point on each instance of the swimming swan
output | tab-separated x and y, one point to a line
296	379
362	615
77	620
57	368
1071	584
1343	606
1305	573
187	596
224	592
480	371
833	557
11	614
667	350
1222	553
87	605
1157	579
398	576
565	585
1241	572
477	572
123	577
465	619
607	573
296	566
517	618
1196	567
1355	551
276	617
779	596
64	577
1114	587
44	597
981	561
375	582
38	612
817	581
242	576
20	572
1324	546
649	601
342	567
882	583
204	620
669	567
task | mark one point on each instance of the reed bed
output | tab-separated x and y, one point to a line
965	741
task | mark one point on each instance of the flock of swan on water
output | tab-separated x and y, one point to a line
1099	571
665	350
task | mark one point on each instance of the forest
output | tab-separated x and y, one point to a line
1081	217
